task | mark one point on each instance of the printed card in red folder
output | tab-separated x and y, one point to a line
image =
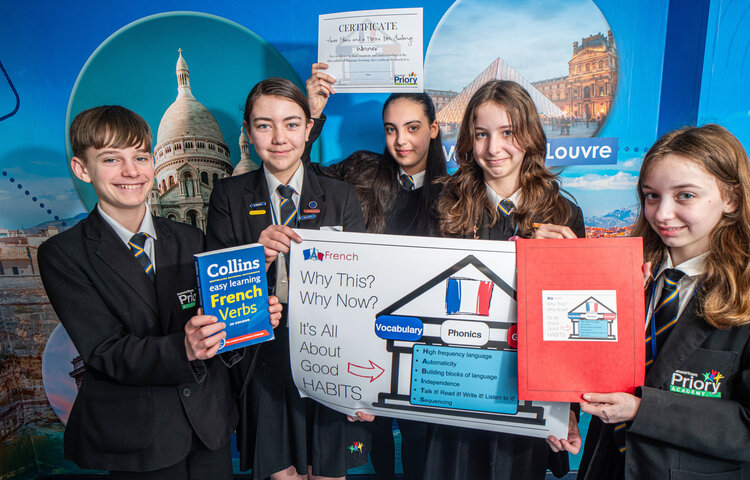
580	317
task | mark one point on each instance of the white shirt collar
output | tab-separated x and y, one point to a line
694	267
295	182
417	178
495	198
147	225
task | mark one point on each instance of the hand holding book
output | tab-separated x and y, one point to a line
203	333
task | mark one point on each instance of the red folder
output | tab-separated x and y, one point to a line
592	339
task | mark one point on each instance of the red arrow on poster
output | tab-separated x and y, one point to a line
372	372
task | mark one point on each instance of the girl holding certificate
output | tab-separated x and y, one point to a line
502	189
398	193
398	189
692	418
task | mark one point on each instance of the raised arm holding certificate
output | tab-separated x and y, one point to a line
373	50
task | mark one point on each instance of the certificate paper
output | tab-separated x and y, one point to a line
373	50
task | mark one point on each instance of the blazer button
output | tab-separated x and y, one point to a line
186	392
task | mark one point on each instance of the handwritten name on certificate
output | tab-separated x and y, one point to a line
373	50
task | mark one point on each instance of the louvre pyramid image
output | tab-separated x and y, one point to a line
499	70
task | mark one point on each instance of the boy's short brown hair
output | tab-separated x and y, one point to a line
108	126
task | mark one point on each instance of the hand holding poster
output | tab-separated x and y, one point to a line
373	50
411	327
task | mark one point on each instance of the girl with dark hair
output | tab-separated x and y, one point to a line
502	189
691	419
281	435
398	191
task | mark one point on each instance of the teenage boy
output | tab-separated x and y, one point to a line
153	404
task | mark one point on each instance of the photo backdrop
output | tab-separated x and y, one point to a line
608	70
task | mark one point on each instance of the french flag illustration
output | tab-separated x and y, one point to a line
312	254
467	296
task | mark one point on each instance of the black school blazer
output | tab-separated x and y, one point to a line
140	400
230	223
679	435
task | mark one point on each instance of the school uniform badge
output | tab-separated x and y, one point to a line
257	208
187	298
356	447
707	384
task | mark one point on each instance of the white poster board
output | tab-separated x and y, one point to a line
411	327
373	50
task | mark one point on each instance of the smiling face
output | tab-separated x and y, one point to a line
683	204
278	128
496	149
121	177
408	132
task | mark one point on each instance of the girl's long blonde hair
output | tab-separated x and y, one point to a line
464	200
725	286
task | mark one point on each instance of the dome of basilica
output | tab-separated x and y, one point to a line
187	117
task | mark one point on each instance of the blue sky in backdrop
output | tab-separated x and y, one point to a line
44	46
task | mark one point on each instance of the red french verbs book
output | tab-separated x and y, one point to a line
580	317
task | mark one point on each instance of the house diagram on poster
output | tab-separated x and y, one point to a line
574	315
430	376
424	329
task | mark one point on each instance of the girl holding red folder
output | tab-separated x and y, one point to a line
691	419
502	189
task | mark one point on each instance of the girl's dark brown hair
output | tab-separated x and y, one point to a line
276	87
464	201
376	177
725	286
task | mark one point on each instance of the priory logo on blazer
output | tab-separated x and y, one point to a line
187	298
700	385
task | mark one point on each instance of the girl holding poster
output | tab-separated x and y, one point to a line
502	189
398	192
691	419
281	435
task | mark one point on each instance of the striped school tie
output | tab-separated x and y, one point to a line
407	182
287	207
664	318
665	313
505	207
137	246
